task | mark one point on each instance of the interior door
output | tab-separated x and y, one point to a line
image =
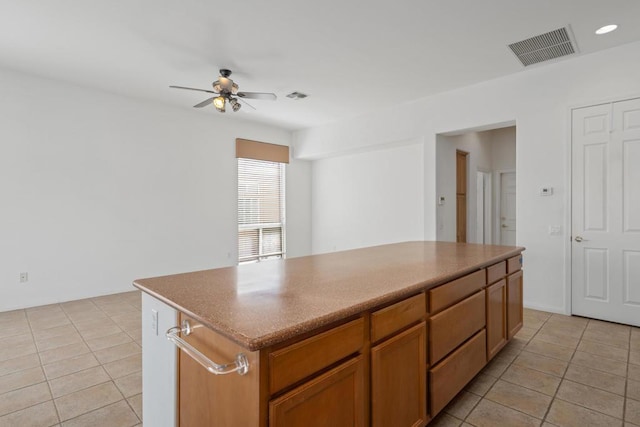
606	212
508	208
461	196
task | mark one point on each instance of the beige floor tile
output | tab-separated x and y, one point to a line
100	331
83	401
491	414
61	353
522	399
108	341
549	349
608	327
14	329
23	398
526	333
563	329
48	323
592	398
561	340
136	404
496	368
118	414
611	366
532	323
565	414
532	379
70	365
634	357
136	334
542	363
607	339
130	385
633	389
462	404
21	379
481	384
58	341
634	372
594	378
445	420
43	334
41	415
632	413
124	367
603	350
561	319
19	364
78	381
117	352
15	346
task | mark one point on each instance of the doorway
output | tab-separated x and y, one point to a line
605	223
461	196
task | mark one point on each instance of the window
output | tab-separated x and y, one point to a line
261	205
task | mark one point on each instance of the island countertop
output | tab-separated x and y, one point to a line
262	304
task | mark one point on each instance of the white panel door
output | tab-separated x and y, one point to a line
508	208
606	212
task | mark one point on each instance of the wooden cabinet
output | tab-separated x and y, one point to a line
453	326
399	380
334	398
514	303
496	317
448	377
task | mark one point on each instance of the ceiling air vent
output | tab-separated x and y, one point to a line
297	95
544	47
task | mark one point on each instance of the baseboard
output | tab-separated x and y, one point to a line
548	309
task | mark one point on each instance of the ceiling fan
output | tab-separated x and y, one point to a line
227	93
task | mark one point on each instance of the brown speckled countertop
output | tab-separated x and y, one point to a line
258	305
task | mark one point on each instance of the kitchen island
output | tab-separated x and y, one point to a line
385	335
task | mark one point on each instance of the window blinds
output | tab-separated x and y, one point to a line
261	198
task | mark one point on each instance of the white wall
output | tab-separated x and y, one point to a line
538	100
368	199
98	190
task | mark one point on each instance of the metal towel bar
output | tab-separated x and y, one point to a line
240	365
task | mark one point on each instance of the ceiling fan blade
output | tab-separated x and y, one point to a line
246	103
191	88
258	95
204	103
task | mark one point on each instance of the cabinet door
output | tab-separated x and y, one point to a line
514	306
496	318
399	380
335	398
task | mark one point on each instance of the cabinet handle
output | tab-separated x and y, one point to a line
240	365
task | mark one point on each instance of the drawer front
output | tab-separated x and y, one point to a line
334	398
514	264
299	360
456	290
455	325
496	272
453	373
390	319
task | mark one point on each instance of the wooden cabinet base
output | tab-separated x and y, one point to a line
334	398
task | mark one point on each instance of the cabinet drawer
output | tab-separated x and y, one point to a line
455	325
456	290
390	319
334	398
453	373
514	264
496	272
297	361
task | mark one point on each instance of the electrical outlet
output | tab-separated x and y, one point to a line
154	321
24	277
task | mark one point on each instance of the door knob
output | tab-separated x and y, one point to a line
579	239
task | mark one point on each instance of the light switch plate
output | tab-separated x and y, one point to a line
154	321
546	191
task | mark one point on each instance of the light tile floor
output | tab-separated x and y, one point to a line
72	364
79	364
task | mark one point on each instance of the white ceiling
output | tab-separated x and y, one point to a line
350	56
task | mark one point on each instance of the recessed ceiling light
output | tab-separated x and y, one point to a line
606	29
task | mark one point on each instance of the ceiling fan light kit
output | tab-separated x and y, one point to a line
227	92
